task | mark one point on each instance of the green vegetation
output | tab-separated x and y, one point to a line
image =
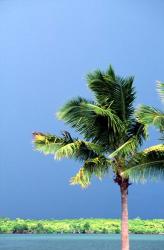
149	115
104	226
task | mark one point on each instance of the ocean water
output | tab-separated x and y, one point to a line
78	242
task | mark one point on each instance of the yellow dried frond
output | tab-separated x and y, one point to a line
159	147
81	178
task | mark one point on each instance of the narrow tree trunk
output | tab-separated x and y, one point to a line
124	221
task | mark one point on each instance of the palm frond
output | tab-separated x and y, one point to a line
126	149
146	165
110	88
66	146
134	137
82	178
160	90
77	149
49	144
113	119
78	110
97	166
94	122
150	116
138	130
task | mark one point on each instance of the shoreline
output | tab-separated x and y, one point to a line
79	226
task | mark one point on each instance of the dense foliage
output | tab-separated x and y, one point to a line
112	134
149	115
136	226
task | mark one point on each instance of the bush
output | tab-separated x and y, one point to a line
86	227
38	228
20	228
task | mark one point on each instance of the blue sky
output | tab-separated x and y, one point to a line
46	50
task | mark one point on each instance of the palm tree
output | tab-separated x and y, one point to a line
112	136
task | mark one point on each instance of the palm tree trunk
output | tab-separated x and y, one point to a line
124	221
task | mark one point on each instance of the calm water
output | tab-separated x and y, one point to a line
78	242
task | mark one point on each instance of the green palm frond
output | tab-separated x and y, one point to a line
148	164
150	116
135	135
126	149
96	123
160	90
66	146
110	88
80	113
76	148
138	130
47	143
113	120
97	166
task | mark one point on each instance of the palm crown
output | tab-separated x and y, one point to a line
112	135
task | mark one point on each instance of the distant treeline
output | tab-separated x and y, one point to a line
104	226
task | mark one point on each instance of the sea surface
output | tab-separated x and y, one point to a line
78	242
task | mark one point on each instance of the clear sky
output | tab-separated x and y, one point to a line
46	49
